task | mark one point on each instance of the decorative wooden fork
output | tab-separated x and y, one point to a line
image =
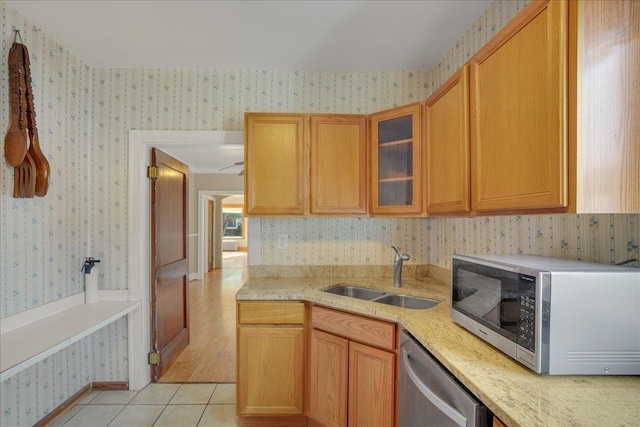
24	178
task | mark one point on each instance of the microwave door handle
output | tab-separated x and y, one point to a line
443	406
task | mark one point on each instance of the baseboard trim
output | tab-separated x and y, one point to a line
110	385
64	407
98	385
273	420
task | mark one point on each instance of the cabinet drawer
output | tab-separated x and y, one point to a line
271	313
356	328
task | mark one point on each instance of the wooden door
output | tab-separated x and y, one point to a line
518	113
371	386
270	370
169	260
328	379
396	161
446	127
274	164
338	180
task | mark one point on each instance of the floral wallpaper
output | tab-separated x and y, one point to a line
207	100
43	241
603	238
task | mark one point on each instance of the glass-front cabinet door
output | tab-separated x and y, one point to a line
396	161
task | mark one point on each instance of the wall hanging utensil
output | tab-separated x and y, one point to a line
21	144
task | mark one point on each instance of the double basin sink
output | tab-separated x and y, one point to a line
397	300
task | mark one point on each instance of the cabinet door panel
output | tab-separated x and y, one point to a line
371	386
354	327
328	376
518	113
338	164
270	370
446	119
396	161
270	312
274	164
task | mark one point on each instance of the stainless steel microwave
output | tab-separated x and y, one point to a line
554	316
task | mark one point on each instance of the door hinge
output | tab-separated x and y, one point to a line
154	358
152	172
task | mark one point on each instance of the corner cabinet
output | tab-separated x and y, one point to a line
271	359
396	161
274	164
518	113
352	370
446	126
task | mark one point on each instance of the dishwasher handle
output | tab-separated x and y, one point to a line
443	406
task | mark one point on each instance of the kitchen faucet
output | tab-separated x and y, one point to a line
397	267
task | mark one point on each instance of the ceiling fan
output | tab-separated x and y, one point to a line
233	165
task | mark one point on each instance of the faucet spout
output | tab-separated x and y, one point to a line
397	266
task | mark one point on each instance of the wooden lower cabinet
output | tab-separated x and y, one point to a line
271	370
497	422
328	379
371	386
350	383
271	361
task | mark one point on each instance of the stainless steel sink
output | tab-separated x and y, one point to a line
407	301
355	292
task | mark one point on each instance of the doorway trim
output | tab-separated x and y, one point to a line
203	226
138	271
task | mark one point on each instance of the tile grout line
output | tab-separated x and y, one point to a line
164	405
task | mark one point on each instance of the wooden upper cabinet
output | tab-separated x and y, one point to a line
395	161
518	113
274	164
338	156
605	126
446	127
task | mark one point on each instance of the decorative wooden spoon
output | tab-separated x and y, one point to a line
42	168
15	142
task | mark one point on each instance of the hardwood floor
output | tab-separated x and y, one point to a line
211	354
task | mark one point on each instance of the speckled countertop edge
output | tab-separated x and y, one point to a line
516	395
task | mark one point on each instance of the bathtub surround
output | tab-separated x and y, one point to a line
84	117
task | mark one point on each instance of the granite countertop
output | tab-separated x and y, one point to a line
518	396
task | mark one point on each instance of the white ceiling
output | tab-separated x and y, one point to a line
209	158
255	35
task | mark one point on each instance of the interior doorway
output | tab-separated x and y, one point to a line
210	235
140	144
211	354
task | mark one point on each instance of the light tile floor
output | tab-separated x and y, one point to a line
172	405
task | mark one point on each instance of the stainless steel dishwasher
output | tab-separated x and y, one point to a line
430	396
